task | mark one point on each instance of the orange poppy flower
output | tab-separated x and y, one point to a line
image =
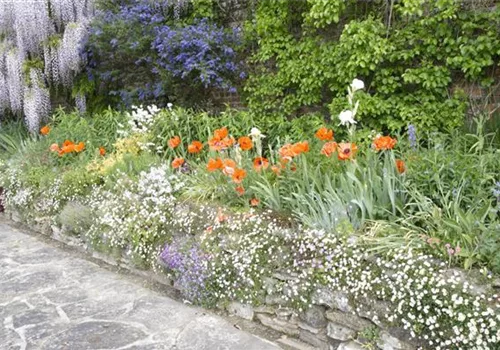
45	130
214	164
177	162
174	142
228	167
79	147
276	169
239	175
401	166
254	202
383	143
287	152
324	134
54	147
195	147
329	148
260	163
228	141
68	147
240	190
301	147
102	151
217	144
220	133
245	143
346	150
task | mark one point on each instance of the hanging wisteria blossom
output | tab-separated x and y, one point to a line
47	31
36	100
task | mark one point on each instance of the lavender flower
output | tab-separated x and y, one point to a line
189	265
412	136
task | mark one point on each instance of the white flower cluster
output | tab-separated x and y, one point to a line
249	251
450	310
140	120
135	214
16	195
49	201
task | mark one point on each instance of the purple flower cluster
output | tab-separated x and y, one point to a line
412	136
190	267
202	52
139	53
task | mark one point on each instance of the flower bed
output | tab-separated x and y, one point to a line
333	236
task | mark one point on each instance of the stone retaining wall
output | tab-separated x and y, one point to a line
332	322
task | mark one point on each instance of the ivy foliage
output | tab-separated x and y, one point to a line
412	55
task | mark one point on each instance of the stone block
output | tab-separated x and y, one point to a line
294	344
349	320
314	316
388	342
319	340
351	345
278	325
265	309
241	310
308	328
333	299
340	332
284	313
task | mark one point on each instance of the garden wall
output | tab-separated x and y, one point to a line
333	321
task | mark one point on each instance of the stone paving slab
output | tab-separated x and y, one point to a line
51	299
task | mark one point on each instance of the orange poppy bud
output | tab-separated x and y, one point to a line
324	134
45	130
240	190
195	147
401	166
102	151
383	143
177	162
245	143
174	142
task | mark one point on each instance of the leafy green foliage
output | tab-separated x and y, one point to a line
307	52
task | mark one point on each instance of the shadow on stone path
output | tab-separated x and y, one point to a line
52	300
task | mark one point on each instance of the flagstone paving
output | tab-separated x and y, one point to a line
51	299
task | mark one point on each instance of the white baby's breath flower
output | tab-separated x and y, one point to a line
346	118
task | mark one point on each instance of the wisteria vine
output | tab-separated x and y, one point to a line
50	30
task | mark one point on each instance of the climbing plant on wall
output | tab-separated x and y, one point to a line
39	53
409	52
